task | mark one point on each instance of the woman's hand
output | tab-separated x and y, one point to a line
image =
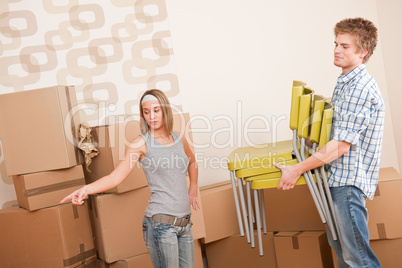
193	196
77	197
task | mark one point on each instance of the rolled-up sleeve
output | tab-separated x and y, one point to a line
350	120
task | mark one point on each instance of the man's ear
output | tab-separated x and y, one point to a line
363	53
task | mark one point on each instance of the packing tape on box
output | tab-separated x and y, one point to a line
382	234
295	240
75	212
81	257
53	187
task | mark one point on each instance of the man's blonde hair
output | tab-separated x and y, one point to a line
166	111
363	31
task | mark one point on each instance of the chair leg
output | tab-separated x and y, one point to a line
257	214
250	213
264	221
330	202
307	178
243	208
237	206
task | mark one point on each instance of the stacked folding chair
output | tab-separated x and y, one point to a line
308	119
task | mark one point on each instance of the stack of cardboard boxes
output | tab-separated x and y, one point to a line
385	218
296	236
38	134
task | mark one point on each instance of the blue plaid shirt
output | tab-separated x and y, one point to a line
358	119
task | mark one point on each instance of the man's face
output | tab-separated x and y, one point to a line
345	53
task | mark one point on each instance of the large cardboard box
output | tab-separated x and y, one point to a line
38	130
117	222
303	249
219	210
235	252
388	252
45	189
112	141
385	210
292	210
59	236
198	261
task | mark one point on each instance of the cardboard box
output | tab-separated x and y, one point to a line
234	251
117	223
38	130
335	263
45	189
198	261
385	210
303	249
219	210
292	210
388	252
111	142
59	236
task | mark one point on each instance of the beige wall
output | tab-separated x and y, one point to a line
112	51
391	36
232	54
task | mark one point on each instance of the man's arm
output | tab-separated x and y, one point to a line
329	152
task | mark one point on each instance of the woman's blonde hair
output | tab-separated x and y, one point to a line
166	111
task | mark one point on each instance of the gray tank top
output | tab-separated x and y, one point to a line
165	168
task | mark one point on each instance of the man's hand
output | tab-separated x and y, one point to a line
290	175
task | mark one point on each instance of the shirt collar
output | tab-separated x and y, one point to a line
344	78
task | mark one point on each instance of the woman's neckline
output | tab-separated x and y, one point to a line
163	145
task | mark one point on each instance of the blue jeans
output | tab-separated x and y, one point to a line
353	249
169	246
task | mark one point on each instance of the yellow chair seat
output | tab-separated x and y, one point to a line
258	170
259	183
260	155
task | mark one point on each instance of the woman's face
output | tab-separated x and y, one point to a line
153	114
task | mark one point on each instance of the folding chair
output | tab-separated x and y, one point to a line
320	121
253	161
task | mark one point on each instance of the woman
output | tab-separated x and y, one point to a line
165	158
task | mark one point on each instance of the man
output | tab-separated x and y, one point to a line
353	153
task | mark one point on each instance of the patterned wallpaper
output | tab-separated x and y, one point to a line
112	51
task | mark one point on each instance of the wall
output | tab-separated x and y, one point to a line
112	51
391	36
236	61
